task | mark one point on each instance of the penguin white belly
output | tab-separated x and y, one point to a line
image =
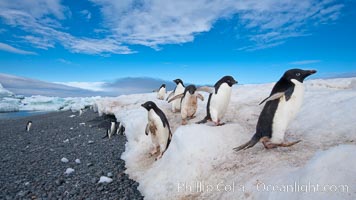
176	103
286	111
161	93
219	102
189	105
159	134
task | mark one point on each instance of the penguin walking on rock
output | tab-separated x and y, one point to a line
178	90
280	109
158	127
161	93
120	130
219	100
189	102
28	126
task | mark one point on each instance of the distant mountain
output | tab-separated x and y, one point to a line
133	85
342	75
130	85
29	87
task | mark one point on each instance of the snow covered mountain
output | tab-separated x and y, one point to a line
200	162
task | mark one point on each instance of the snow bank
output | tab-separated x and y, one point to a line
329	174
200	162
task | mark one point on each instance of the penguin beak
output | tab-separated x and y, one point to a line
312	71
235	82
309	72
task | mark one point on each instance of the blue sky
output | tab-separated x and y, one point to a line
198	41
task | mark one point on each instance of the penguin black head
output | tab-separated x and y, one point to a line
191	89
177	81
149	105
227	79
297	74
163	86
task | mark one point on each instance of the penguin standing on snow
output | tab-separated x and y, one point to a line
28	126
219	99
280	109
178	90
161	93
158	126
189	102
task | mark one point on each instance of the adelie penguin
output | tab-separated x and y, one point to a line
219	100
178	90
161	93
158	127
189	102
280	109
28	126
110	132
120	130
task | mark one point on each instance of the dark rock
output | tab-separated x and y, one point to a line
34	170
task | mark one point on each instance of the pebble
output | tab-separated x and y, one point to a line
77	161
100	188
104	179
69	171
64	160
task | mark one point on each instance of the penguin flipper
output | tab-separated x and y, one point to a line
147	129
200	96
169	96
248	144
273	97
206	89
176	97
287	93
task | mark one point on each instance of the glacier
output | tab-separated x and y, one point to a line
200	162
9	102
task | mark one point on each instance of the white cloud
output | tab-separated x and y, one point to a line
11	49
86	14
155	23
305	62
38	42
64	61
93	86
46	32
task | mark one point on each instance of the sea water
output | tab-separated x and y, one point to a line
12	115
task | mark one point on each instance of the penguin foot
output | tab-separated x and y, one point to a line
154	151
184	122
159	157
192	117
288	144
268	145
219	124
